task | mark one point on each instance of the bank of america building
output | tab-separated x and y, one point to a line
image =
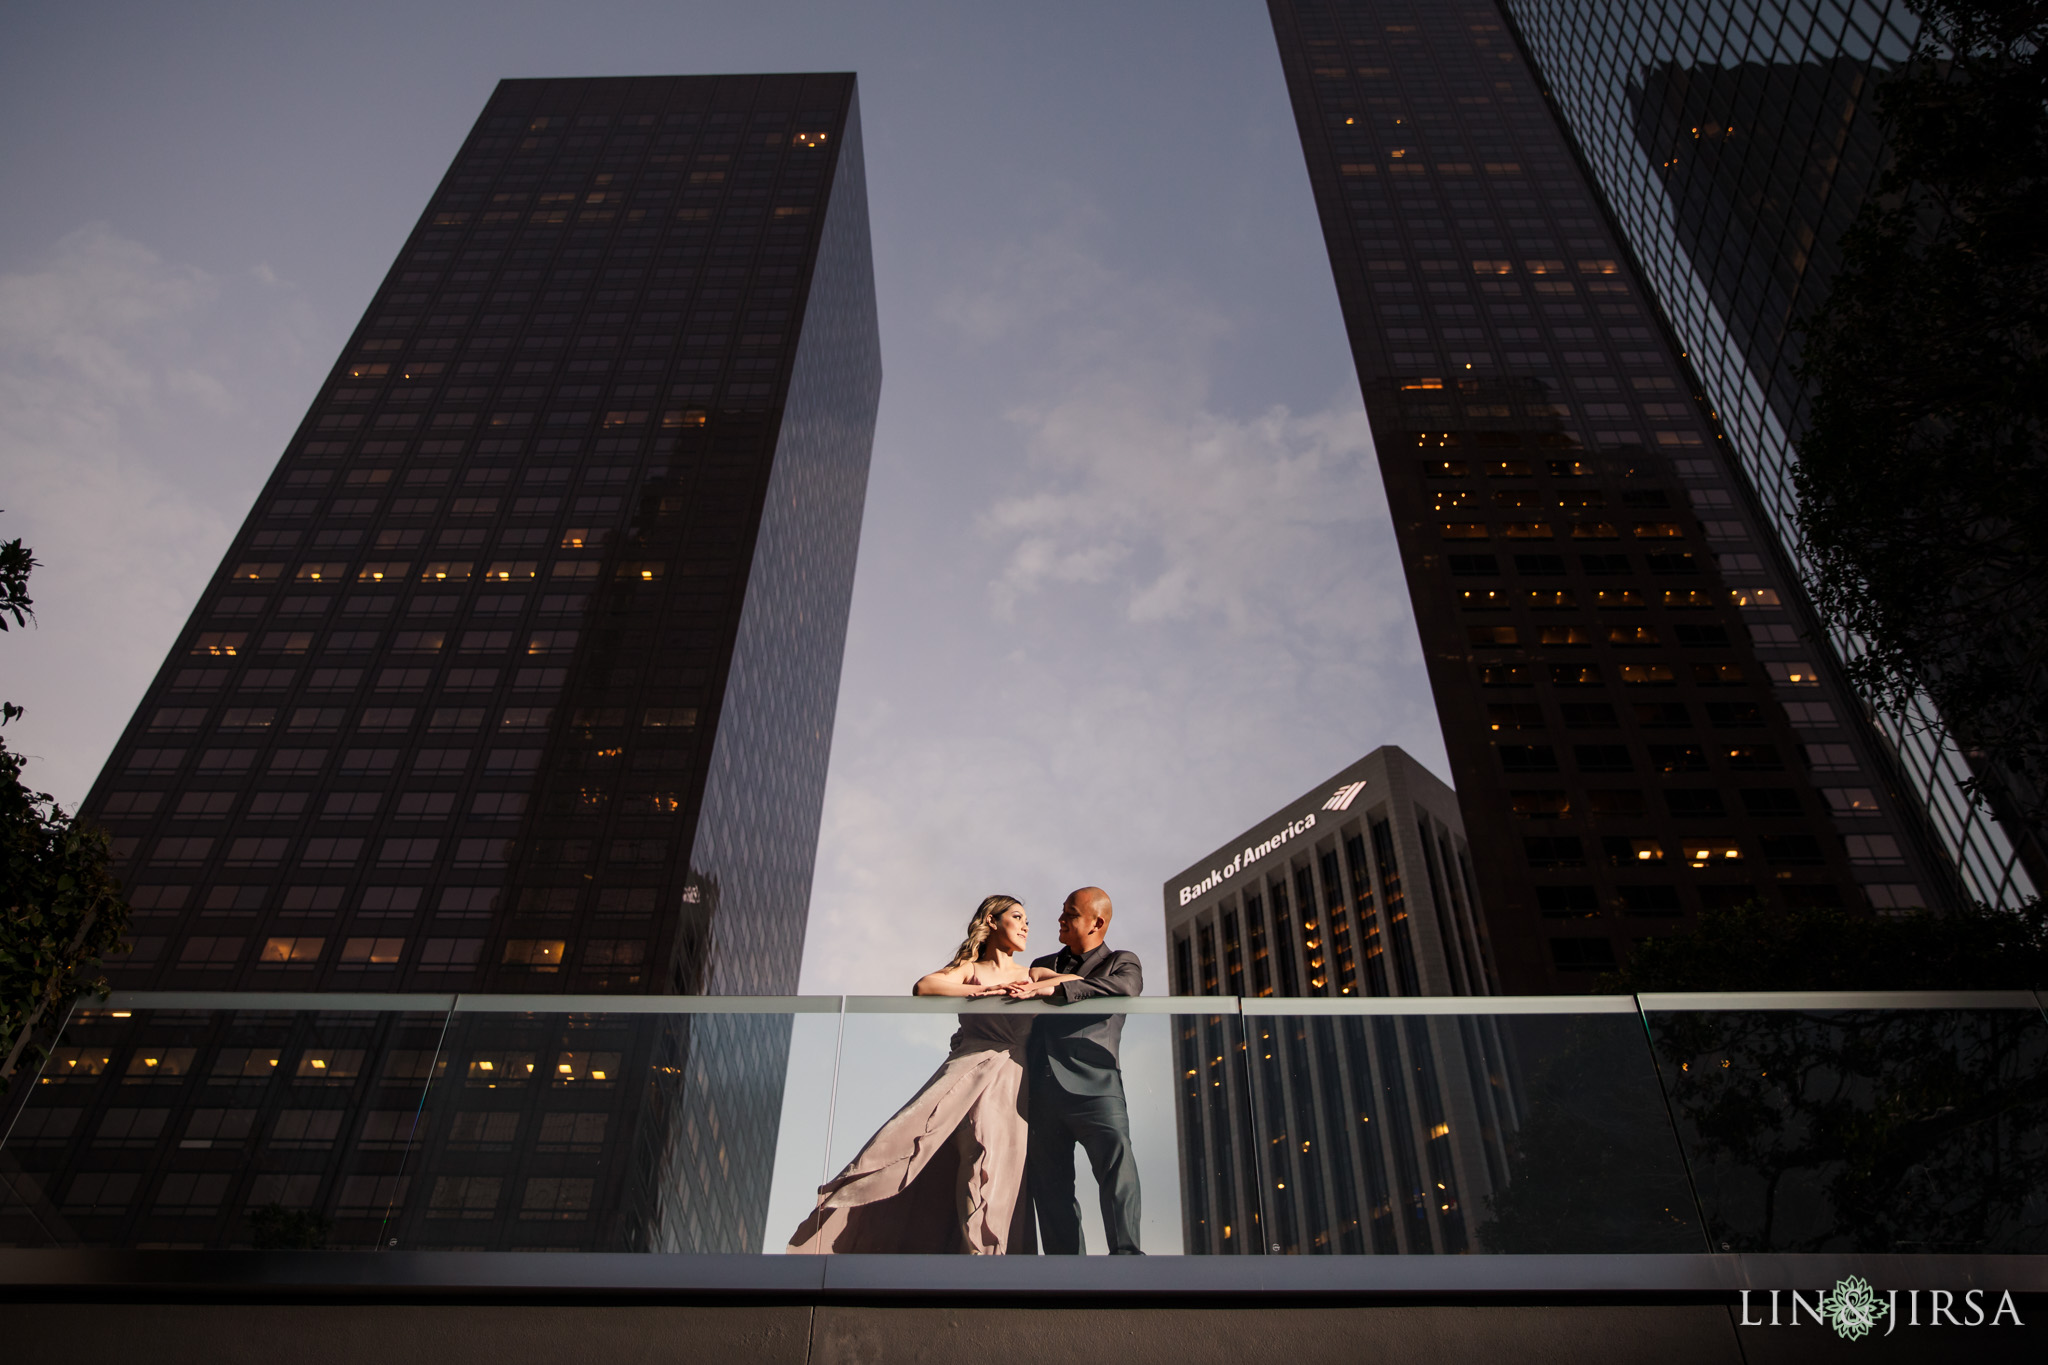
519	677
1375	1134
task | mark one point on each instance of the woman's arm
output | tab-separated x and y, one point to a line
1048	974
951	981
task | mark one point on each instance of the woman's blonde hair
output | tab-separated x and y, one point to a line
980	927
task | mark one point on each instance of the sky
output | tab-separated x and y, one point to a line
1127	580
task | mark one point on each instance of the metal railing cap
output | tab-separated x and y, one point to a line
1439	1004
1101	1004
1838	1000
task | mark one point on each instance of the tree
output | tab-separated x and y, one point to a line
1829	1129
15	562
1923	478
61	910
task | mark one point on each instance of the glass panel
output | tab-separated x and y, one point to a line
1864	1130
937	1105
1219	1165
219	1128
1386	1134
611	1131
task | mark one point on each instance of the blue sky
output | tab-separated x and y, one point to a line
1127	581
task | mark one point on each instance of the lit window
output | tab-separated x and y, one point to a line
447	571
571	1067
1850	800
541	954
383	571
1792	674
258	573
1706	853
329	1064
278	952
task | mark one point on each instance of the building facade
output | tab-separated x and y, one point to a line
1354	1134
519	677
1641	719
1734	145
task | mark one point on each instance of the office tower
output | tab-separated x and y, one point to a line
1374	1133
1640	719
520	676
1313	900
521	672
1735	145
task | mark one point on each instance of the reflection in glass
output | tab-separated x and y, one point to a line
218	1128
1402	1134
1905	1130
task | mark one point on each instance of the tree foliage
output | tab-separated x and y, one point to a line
16	560
61	911
1923	479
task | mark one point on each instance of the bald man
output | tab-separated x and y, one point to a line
1077	1089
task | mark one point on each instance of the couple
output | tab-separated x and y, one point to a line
949	1172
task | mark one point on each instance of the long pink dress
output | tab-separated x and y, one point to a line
946	1174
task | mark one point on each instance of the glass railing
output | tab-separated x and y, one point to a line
1652	1124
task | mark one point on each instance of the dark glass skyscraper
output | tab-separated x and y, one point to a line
1734	143
520	677
1641	720
521	673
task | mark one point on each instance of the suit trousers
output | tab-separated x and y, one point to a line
1101	1124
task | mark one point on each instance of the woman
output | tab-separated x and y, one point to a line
946	1173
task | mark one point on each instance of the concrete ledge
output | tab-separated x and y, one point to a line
26	1275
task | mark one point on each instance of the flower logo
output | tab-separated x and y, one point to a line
1853	1308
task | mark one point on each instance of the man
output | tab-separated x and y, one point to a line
1077	1090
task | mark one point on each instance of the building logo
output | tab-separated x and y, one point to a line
1252	853
1344	797
1854	1309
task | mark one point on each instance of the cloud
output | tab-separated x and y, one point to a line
1169	619
140	404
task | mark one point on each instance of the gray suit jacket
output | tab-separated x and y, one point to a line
1078	1053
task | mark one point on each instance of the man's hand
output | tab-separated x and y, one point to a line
1030	990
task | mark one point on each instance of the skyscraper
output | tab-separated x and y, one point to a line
520	676
1381	1134
1312	899
1641	719
521	672
1735	144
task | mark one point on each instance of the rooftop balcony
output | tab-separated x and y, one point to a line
1445	1125
1667	1150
